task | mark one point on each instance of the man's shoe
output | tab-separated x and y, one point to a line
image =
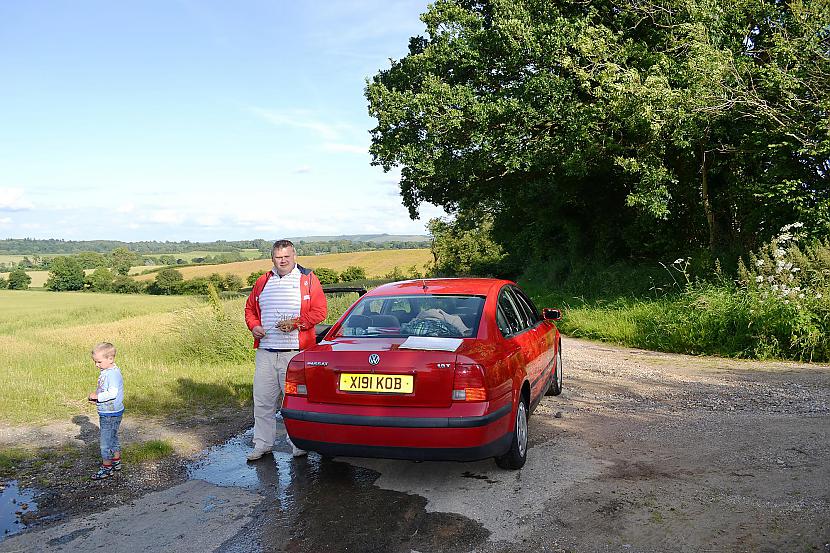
297	452
258	452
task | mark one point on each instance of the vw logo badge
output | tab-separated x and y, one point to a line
374	359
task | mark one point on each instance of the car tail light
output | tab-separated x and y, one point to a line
468	384
295	378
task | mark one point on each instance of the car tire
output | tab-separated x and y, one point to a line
556	382
516	456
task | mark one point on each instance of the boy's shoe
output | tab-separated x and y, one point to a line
258	452
116	464
103	473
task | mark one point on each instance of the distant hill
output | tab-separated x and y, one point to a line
377	238
56	246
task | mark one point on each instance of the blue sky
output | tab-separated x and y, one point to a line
196	120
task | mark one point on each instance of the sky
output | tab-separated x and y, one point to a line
196	120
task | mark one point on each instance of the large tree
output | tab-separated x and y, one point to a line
19	280
615	129
65	273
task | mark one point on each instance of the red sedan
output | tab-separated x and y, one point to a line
434	369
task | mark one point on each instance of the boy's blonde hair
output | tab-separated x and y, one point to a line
106	348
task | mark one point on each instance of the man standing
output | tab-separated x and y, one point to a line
284	305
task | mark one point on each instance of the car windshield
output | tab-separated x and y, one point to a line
420	315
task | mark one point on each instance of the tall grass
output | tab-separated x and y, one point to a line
777	306
179	355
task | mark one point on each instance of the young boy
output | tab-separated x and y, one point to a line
109	398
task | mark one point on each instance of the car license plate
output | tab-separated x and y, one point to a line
376	383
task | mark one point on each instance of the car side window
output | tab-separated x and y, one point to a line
508	311
527	306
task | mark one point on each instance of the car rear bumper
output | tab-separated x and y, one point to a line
493	449
385	433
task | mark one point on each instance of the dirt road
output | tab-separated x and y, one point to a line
641	452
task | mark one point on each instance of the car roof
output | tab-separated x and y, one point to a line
466	286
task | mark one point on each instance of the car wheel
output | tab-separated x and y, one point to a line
517	454
556	382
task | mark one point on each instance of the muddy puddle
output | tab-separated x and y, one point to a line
312	504
15	504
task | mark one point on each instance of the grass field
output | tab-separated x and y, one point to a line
377	263
177	355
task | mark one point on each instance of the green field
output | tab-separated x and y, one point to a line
179	355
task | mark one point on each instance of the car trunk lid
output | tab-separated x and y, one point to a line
376	372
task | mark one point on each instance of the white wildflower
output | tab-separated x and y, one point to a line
786	302
784	237
678	261
775	287
818	295
801	296
795	269
759	263
780	252
788	266
759	279
770	279
779	263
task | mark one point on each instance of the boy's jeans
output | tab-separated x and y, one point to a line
109	435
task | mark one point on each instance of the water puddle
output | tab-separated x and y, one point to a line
14	505
312	504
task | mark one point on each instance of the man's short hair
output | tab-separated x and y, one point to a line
106	348
280	244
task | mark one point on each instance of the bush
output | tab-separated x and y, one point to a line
19	280
123	284
100	280
326	275
168	282
232	283
352	273
3	283
254	276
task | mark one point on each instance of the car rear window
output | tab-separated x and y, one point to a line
450	316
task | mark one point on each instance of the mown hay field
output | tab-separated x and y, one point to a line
377	263
179	355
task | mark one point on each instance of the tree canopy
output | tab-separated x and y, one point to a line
614	129
65	273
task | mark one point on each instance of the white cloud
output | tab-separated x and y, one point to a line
345	148
209	220
302	170
165	217
5	220
13	199
301	120
126	207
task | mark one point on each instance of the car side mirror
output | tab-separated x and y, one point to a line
552	314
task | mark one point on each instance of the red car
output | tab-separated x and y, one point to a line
434	369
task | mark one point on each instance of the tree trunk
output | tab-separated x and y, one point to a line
707	201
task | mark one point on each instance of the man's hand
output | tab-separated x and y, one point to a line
93	397
258	332
287	325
